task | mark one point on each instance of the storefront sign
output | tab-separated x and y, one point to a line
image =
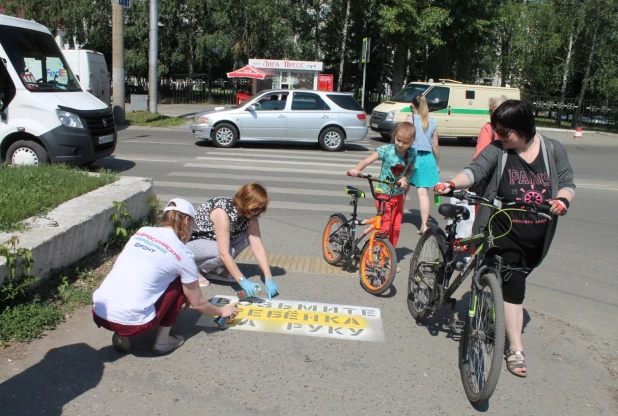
286	65
326	320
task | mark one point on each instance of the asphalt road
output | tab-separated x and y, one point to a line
570	336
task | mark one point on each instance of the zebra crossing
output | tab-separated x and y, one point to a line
297	179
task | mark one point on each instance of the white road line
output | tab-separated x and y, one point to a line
266	179
125	141
293	151
234	188
248	169
294	206
323	157
593	186
278	162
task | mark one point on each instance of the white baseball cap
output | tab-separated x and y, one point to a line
182	205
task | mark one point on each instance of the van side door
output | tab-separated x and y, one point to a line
438	100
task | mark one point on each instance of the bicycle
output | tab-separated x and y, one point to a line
435	260
377	257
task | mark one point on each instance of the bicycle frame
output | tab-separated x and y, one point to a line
374	223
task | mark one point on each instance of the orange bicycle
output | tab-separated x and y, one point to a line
377	257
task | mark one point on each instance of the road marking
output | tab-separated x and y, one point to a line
594	186
352	158
125	141
288	151
240	168
266	179
293	317
293	206
278	162
234	188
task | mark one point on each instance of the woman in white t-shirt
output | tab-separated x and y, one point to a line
152	278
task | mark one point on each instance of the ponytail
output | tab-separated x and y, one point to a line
420	104
174	219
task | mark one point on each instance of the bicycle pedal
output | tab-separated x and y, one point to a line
456	325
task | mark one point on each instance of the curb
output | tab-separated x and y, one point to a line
73	230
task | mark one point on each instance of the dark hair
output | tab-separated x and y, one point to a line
252	196
516	115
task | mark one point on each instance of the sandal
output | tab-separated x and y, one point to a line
519	363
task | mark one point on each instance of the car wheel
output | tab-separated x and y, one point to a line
225	135
27	152
331	139
385	136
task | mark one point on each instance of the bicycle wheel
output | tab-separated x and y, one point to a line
482	341
422	280
334	238
378	267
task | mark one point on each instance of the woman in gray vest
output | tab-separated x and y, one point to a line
520	166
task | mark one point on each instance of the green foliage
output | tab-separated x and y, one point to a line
35	190
27	321
145	118
19	264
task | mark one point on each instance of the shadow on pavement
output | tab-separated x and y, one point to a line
413	216
62	375
113	164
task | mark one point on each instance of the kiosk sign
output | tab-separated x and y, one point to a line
353	323
285	64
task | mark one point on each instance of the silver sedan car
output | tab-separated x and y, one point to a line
329	118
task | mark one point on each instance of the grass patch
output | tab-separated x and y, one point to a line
35	190
145	118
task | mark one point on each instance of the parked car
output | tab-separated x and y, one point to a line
329	118
599	120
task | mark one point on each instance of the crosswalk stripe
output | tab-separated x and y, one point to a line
233	188
266	179
349	157
240	168
285	151
295	206
278	162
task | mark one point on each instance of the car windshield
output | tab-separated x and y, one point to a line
38	60
409	92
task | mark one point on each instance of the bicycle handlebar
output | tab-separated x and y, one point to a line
542	210
371	179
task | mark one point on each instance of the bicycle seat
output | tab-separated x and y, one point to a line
355	192
452	211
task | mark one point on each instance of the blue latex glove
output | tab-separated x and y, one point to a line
251	288
271	288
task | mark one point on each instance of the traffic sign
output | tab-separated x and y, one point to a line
366	50
124	3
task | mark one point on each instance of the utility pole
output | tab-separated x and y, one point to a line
365	59
153	55
118	61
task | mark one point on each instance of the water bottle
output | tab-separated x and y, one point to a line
437	199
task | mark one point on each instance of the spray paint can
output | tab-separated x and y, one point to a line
242	294
437	199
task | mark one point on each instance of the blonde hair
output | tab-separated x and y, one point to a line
175	219
420	104
406	128
495	102
252	196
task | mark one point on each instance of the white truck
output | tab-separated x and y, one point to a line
45	116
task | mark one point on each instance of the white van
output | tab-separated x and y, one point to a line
460	110
45	116
91	71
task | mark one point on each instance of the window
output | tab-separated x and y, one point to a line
347	102
409	92
308	101
437	98
271	102
469	95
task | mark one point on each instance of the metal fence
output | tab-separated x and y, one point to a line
593	115
190	89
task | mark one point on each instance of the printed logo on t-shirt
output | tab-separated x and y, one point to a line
535	186
151	244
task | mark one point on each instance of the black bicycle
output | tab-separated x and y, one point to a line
437	257
377	256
